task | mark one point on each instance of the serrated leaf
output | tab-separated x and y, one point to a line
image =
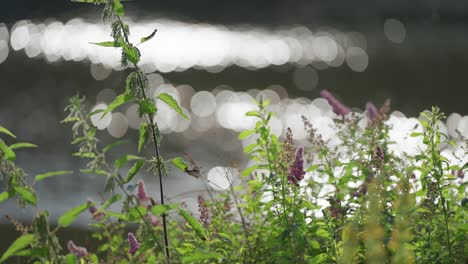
166	98
7	152
134	170
147	107
42	176
7	132
118	101
113	145
179	163
196	226
124	159
143	132
70	216
148	37
131	52
118	8
26	195
20	243
112	44
22	145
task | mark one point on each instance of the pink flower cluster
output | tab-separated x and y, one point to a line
133	244
76	250
338	107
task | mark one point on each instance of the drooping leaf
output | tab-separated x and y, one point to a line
7	132
113	145
134	170
70	216
26	195
107	44
142	135
7	152
196	226
22	145
148	37
42	176
166	98
179	163
118	8
20	243
124	159
118	101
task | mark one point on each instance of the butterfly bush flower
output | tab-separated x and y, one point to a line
338	107
77	251
204	216
133	244
296	170
372	112
152	219
94	211
143	198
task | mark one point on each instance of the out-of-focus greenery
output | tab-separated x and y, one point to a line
381	208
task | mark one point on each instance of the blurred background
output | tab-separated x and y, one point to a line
215	57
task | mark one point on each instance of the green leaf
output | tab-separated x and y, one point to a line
131	52
70	216
71	259
20	243
134	170
95	171
166	98
124	159
196	226
88	155
246	133
118	101
162	209
200	255
8	153
147	107
112	145
6	131
90	2
118	8
6	195
26	195
117	215
136	213
142	137
42	176
179	163
253	113
111	200
148	37
22	145
107	44
33	252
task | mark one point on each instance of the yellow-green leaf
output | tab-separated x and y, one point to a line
107	44
70	216
42	176
148	37
20	243
26	195
7	132
166	98
22	145
134	170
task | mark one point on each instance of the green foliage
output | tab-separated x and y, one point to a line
20	243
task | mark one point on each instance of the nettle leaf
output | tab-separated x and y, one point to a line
162	209
118	8
166	98
179	163
7	152
134	170
132	53
124	159
20	243
196	226
114	144
22	145
26	195
113	44
7	132
118	101
6	195
148	37
143	135
70	216
147	107
42	176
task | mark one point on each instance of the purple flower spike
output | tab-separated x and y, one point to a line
372	112
296	170
77	251
141	192
203	209
338	107
133	243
